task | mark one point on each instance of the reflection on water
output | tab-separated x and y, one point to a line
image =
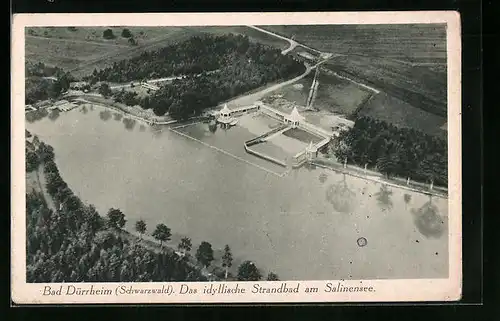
340	196
129	123
156	130
54	114
212	127
84	109
105	115
384	198
407	199
428	220
117	116
35	115
222	198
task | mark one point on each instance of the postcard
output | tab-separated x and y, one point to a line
236	157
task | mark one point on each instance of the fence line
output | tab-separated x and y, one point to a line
226	153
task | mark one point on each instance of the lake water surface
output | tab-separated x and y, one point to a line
303	226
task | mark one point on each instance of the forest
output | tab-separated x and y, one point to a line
241	66
44	82
394	151
68	241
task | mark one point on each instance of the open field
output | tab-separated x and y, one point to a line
293	93
405	42
392	110
252	34
418	86
83	50
64	54
94	34
338	95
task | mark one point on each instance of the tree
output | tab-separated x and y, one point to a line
126	33
247	271
108	34
185	245
140	226
272	277
407	199
227	260
205	254
162	233
116	219
105	90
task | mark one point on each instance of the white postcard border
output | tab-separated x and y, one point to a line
382	290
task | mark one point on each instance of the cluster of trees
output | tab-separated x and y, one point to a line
126	33
241	66
71	242
68	241
394	151
44	82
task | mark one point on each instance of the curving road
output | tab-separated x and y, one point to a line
253	97
293	43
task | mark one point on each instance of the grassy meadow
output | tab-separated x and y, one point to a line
415	43
82	49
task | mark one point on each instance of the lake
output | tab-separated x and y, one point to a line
302	226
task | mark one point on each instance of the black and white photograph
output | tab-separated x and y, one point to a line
206	159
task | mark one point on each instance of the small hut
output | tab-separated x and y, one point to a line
294	118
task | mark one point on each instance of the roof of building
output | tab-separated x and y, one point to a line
225	110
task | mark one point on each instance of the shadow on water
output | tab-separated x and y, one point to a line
54	114
142	128
341	196
310	166
428	220
105	115
84	110
129	123
212	127
407	199
156	130
384	198
117	116
36	115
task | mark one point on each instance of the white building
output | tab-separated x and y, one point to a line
294	118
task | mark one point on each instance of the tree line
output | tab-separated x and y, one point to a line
241	66
45	82
394	151
68	241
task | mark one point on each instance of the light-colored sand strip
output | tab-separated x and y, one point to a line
379	180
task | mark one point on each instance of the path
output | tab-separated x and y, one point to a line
107	44
156	80
253	97
43	188
376	177
292	42
374	90
129	115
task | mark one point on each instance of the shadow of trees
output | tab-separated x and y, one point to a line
129	123
384	198
428	220
105	115
341	196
